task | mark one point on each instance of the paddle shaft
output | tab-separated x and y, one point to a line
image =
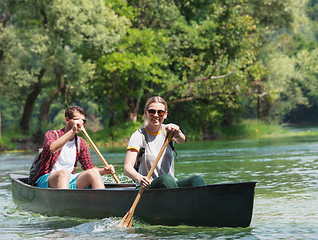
132	209
152	169
98	152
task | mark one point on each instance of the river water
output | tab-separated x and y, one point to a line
285	204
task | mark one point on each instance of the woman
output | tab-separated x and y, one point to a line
144	146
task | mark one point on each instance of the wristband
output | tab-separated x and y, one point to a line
179	134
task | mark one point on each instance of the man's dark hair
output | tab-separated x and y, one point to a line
70	110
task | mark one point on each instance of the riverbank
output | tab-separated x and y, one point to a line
119	136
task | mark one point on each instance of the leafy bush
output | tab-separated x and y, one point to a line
251	128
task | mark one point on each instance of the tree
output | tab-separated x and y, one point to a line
182	58
290	82
127	73
276	82
51	35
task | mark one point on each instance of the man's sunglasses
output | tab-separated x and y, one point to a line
152	112
84	120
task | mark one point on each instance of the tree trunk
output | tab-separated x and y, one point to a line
1	60
44	111
260	101
111	112
131	113
0	126
46	104
3	20
268	108
111	100
134	115
28	107
259	108
111	118
134	108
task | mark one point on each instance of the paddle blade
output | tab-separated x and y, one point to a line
126	221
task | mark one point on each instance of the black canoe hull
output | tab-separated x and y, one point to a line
219	205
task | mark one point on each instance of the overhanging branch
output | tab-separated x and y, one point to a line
191	98
196	80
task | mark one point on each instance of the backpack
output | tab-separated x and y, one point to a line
142	150
36	162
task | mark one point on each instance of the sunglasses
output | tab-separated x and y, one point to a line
84	120
152	112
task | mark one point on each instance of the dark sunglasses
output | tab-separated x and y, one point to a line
152	112
84	120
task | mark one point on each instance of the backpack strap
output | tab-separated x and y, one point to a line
77	139
57	134
142	149
163	128
78	144
144	141
174	150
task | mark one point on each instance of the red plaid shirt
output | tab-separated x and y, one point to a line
48	160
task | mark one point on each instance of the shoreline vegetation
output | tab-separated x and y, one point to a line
119	137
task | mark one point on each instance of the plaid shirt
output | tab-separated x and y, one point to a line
48	160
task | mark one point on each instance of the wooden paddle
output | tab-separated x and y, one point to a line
97	151
127	219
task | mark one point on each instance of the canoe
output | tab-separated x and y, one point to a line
216	205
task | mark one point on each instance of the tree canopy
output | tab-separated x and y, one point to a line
214	62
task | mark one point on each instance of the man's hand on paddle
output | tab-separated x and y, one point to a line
78	123
110	169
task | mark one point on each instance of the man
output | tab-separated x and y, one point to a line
61	154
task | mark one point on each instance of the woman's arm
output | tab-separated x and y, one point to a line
130	171
178	136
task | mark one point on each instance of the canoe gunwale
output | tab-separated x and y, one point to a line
22	179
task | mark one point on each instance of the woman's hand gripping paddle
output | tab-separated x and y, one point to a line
97	151
127	219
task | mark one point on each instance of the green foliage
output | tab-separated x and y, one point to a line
10	115
252	128
181	59
276	15
215	62
114	135
289	78
49	39
6	143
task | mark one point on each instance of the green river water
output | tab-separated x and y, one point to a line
285	203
